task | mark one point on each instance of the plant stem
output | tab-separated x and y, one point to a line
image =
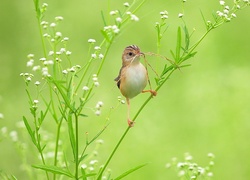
77	146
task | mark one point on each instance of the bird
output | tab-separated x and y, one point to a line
133	77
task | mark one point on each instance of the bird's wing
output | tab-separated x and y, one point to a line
118	78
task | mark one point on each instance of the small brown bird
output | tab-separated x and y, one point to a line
133	76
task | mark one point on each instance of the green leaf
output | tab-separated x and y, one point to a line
187	38
190	55
166	70
83	115
54	170
84	177
130	171
105	35
31	133
97	135
71	135
178	45
83	157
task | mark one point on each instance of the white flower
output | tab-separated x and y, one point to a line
100	141
1	116
209	174
44	5
30	56
83	166
97	47
219	13
91	41
42	59
180	15
164	17
28	79
210	155
53	25
51	53
134	17
65	39
65	72
233	15
58	18
92	162
37	83
222	3
68	53
98	112
96	84
46	35
13	135
118	19
93	56
62	50
30	63
58	34
85	88
101	56
95	79
45	71
35	68
164	12
35	101
126	4
113	12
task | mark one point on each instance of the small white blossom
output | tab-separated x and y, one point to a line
13	136
28	79
128	13
51	53
65	72
122	101
85	88
30	63
83	166
35	101
68	53
58	18
92	162
180	15
44	5
134	17
98	112
53	25
97	47
52	40
1	116
164	17
91	41
219	13
30	56
58	34
96	84
233	15
93	56
65	39
35	68
95	79
226	11
126	4
46	35
113	12
42	59
45	71
222	3
118	19
210	155
101	56
209	174
37	83
100	141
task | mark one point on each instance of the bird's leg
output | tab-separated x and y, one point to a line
130	122
153	93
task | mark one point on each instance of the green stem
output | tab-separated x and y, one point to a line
77	146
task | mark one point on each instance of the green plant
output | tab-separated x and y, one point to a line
60	90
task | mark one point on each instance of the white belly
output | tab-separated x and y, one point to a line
134	81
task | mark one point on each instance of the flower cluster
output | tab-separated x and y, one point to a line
98	107
190	169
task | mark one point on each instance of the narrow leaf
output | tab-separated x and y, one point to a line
54	169
178	45
31	133
71	134
130	171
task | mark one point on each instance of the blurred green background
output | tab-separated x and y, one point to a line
201	109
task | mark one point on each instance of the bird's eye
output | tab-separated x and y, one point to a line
130	54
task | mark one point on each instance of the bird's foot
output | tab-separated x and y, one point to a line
153	93
131	123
